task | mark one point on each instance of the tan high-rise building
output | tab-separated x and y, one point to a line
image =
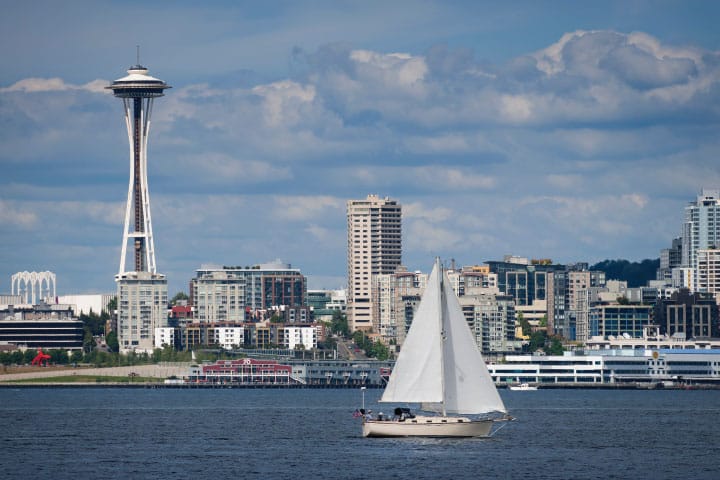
374	247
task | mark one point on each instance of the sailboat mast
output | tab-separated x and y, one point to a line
441	316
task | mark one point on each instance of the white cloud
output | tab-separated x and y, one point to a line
515	108
222	168
300	208
428	237
33	85
448	178
565	181
14	215
392	68
421	211
283	101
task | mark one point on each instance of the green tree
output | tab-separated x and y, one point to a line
29	355
380	350
94	322
112	341
58	357
88	340
524	324
179	296
555	346
537	340
339	324
635	274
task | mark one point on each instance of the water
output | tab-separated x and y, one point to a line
298	434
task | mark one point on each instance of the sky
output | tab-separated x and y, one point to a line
576	131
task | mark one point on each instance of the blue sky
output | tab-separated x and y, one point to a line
575	131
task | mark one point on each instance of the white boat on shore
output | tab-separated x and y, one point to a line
522	387
440	368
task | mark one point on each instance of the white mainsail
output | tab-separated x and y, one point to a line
440	365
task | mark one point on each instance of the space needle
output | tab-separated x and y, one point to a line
137	91
142	293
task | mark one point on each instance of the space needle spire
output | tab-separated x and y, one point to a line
137	91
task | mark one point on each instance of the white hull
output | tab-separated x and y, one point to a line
522	387
428	427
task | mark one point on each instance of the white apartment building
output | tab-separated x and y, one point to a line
237	294
708	272
218	296
164	336
491	319
142	307
294	336
374	227
683	277
229	337
701	230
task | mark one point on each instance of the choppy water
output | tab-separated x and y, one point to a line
298	434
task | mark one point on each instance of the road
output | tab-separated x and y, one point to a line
348	350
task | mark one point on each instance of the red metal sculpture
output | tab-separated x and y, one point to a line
40	358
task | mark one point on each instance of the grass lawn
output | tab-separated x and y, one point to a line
88	379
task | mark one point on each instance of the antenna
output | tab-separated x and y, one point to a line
138	54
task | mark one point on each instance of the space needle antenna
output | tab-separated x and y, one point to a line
138	54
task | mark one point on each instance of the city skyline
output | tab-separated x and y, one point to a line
574	132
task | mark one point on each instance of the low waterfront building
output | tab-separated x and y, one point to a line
667	366
371	373
652	339
41	326
259	372
246	371
612	367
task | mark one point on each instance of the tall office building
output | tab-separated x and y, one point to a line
670	258
701	230
568	298
142	292
374	228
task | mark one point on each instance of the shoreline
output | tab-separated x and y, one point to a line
156	385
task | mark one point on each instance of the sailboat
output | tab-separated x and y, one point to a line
440	368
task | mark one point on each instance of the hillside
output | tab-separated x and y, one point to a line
636	274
